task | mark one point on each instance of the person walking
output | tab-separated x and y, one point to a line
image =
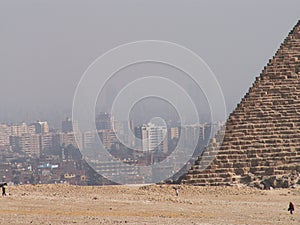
291	208
3	189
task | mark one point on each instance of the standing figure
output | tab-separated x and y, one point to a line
176	191
291	208
3	189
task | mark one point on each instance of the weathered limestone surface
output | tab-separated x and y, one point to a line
261	142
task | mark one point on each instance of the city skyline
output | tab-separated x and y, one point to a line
36	153
104	121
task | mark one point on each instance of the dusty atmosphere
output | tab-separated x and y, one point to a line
153	204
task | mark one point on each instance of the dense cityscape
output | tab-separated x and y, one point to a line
36	153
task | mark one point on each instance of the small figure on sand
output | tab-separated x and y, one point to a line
176	191
291	207
3	189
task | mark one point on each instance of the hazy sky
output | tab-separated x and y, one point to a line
45	46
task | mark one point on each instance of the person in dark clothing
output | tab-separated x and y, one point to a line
3	188
291	208
3	191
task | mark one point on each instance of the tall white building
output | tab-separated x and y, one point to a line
20	129
27	143
154	137
5	132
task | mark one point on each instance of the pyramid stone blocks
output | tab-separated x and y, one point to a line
261	143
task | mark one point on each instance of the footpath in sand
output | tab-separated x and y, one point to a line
155	204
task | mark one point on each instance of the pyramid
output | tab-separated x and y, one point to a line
261	144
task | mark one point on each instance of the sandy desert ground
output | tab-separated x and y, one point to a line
152	204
